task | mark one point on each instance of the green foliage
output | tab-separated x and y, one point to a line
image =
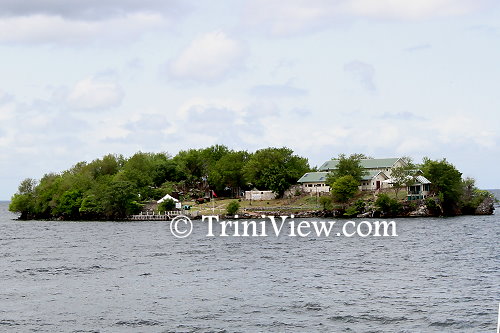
118	199
113	187
357	208
228	171
403	175
233	207
432	205
472	197
388	205
326	202
166	205
91	207
275	169
360	206
22	203
347	166
446	182
27	186
69	204
351	211
344	188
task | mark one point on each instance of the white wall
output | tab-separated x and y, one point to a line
259	195
315	188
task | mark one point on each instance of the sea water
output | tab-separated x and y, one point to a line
437	275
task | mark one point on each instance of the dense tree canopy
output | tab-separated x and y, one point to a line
114	187
446	182
274	169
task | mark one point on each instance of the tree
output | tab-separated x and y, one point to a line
228	172
166	205
403	175
69	204
233	207
344	188
472	197
120	199
326	202
23	201
275	169
446	182
347	166
388	205
46	195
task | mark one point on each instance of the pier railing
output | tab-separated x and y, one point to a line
162	216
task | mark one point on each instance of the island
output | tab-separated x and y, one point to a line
272	181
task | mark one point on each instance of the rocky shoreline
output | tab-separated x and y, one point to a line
487	207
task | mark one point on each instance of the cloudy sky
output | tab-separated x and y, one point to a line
83	78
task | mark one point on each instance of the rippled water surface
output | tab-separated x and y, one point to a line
438	275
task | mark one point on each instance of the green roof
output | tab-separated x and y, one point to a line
371	163
320	177
313	177
370	174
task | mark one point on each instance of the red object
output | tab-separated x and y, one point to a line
213	194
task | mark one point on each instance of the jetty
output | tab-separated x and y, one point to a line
161	216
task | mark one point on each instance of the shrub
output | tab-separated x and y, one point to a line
360	206
351	211
470	204
233	207
357	208
166	205
326	202
388	205
432	205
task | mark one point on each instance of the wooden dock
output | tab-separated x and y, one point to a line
162	216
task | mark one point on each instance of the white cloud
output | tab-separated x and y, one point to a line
92	93
285	18
208	58
411	10
461	129
41	28
282	18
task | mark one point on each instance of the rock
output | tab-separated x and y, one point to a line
420	211
487	207
364	215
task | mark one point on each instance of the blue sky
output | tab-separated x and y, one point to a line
387	78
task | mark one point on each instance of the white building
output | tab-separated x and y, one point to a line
378	174
370	164
259	195
314	182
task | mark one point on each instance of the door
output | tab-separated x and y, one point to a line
378	184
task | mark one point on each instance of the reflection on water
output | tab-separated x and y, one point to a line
438	275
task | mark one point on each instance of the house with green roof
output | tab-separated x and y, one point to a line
314	182
374	180
377	176
370	164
